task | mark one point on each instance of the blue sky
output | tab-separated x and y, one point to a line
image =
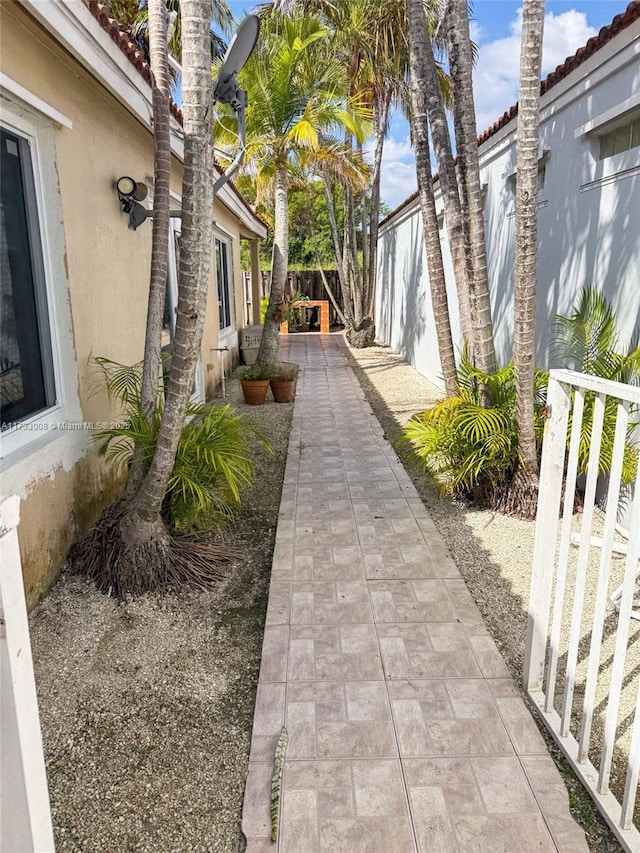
496	30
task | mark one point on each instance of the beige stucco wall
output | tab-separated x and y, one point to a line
107	275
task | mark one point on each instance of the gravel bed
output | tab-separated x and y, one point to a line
146	705
494	554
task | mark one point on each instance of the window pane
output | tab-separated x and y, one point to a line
616	141
635	133
222	275
23	386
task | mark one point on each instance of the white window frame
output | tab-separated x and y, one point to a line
611	169
175	229
63	417
225	332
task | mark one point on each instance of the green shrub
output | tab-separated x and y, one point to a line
213	462
472	450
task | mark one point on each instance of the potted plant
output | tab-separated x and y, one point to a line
283	383
254	385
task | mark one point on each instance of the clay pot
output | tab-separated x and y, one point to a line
255	391
283	390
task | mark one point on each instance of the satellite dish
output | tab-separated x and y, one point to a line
238	52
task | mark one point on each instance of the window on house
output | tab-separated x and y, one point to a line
26	364
622	138
224	285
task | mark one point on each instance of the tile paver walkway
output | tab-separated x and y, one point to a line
406	732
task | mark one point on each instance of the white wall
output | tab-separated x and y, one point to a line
588	221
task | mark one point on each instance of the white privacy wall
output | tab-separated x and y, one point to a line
588	219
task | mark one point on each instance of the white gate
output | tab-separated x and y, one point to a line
575	612
25	818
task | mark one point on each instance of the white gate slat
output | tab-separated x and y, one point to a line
633	771
622	640
613	496
583	560
565	544
547	516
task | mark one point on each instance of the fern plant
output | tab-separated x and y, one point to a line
213	462
588	341
472	449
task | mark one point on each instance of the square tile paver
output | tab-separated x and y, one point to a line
328	652
349	719
345	807
423	600
426	650
447	717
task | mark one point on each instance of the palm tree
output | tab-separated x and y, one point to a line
418	40
447	177
370	38
297	106
461	75
144	555
526	248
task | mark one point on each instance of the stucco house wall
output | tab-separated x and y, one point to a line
588	217
83	134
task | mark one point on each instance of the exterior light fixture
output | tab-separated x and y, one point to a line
130	194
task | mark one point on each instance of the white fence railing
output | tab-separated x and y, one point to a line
583	648
25	818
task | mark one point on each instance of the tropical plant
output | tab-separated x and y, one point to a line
212	464
588	341
525	491
298	103
469	447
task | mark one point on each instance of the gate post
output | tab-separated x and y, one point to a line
25	816
547	522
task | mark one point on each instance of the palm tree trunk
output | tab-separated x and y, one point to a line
142	523
160	83
382	116
447	178
437	283
338	251
269	352
461	71
526	248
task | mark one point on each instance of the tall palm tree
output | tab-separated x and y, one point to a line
418	40
145	551
447	176
298	106
461	74
526	248
370	38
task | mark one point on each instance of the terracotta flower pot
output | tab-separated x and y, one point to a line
283	390
255	391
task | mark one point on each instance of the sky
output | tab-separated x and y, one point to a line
569	24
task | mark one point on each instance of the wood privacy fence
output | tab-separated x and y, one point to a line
309	283
582	660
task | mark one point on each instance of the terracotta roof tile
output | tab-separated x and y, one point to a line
606	34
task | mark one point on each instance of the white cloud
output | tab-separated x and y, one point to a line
496	74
